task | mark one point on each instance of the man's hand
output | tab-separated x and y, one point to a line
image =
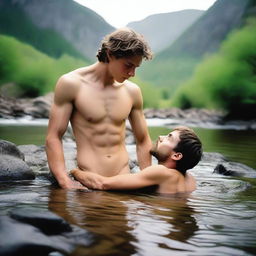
71	184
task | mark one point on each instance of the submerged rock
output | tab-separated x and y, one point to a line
235	170
34	232
47	222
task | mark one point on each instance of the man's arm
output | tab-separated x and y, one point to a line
140	131
59	118
153	175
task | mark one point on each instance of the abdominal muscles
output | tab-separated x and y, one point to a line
102	151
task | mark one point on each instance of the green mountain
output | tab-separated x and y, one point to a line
226	79
54	27
177	63
162	29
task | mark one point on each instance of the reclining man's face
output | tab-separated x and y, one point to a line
164	146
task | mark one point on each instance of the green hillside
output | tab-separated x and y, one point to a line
14	22
32	72
176	64
227	79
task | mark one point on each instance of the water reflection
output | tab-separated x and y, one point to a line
99	212
126	224
217	219
161	224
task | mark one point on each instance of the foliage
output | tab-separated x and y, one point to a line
227	79
151	95
34	72
168	74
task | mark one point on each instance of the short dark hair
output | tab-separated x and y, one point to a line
191	148
124	42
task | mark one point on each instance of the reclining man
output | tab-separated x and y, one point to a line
176	152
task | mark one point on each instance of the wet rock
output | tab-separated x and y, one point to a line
221	169
40	106
48	222
30	232
35	156
235	169
13	168
12	164
9	148
221	165
14	107
213	157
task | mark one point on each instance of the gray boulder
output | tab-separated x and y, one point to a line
13	168
35	156
12	164
34	232
9	148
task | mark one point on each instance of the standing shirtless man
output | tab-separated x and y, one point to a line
97	100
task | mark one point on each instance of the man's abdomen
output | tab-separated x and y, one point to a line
103	161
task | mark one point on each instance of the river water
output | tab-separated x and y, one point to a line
217	219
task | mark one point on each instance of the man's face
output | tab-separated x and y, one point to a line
124	68
164	146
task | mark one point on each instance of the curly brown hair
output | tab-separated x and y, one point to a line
124	42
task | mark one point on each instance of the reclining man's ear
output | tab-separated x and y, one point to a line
177	156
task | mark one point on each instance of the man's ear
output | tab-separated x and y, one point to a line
177	156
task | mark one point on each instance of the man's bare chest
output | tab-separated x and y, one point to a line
95	105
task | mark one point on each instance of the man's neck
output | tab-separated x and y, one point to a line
103	74
168	164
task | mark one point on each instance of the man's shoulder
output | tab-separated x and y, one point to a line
72	81
131	86
158	169
134	92
74	76
169	172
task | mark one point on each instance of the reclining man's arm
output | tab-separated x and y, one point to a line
153	175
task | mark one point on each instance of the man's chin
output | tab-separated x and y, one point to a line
121	80
158	156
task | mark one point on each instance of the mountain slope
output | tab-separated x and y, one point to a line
176	63
45	40
79	26
162	29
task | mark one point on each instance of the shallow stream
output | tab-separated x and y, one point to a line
217	219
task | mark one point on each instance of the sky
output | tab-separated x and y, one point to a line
119	13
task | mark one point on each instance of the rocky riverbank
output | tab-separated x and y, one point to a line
39	107
29	161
